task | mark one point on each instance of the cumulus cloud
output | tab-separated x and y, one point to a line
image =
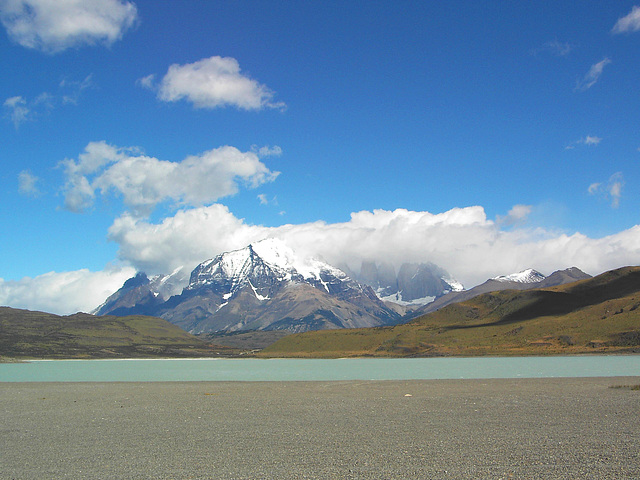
161	248
612	190
628	23
144	182
64	293
211	83
53	26
592	76
28	184
462	240
517	215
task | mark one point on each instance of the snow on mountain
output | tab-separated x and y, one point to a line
455	285
526	276
259	266
397	298
277	253
165	286
268	286
414	284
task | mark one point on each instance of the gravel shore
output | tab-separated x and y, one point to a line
462	429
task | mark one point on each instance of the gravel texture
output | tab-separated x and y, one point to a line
462	429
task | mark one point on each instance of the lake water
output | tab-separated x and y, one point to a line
250	369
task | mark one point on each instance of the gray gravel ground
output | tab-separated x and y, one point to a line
461	429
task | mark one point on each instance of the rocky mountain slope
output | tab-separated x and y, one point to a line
596	315
264	286
526	280
414	284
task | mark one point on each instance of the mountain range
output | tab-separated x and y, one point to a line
595	315
526	280
266	286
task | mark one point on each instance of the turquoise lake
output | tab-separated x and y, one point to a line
249	369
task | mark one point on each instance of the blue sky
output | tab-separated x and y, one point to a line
487	137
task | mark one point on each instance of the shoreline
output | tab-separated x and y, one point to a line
533	428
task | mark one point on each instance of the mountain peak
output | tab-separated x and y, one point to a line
526	276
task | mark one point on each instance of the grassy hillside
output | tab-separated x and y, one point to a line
601	315
24	333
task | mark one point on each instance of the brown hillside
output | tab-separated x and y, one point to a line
595	315
25	333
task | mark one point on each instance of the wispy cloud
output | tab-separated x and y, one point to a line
589	140
592	76
267	151
264	199
628	23
53	26
612	190
28	184
212	83
554	47
72	89
20	109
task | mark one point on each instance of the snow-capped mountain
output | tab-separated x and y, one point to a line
415	284
526	276
262	266
525	280
141	294
264	286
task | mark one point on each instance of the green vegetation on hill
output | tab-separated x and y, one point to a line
597	315
28	334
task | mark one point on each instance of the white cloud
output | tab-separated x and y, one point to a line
22	110
611	191
267	151
517	215
211	83
592	76
589	140
187	238
628	23
462	240
18	110
145	181
554	47
55	25
63	292
73	89
594	188
147	82
616	183
28	184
